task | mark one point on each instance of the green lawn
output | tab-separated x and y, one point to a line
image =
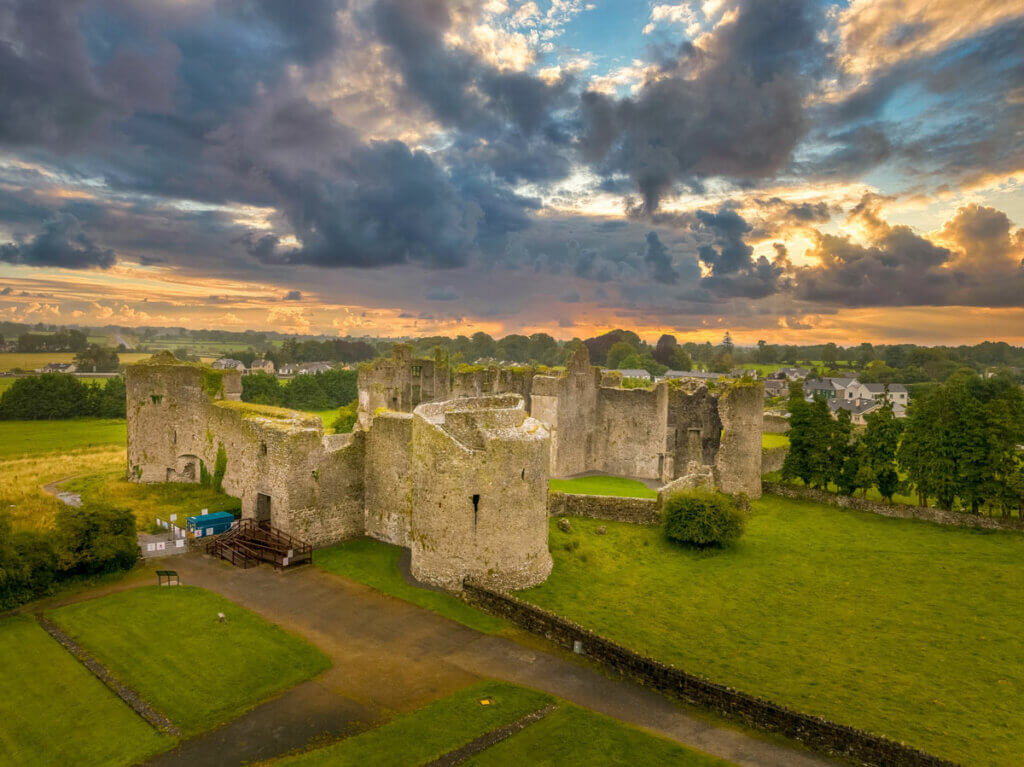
434	730
55	712
376	564
20	437
149	502
568	735
899	627
603	485
327	417
774	440
168	644
571	735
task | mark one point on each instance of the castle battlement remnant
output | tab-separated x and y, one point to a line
400	383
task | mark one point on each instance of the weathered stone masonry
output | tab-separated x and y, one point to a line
463	483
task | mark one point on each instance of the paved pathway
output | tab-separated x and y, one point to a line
390	656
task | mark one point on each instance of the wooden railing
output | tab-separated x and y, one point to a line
251	542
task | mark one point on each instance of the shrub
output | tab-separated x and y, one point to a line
347	417
95	539
703	518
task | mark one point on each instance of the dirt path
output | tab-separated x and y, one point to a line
390	656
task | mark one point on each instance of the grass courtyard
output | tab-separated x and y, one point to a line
375	564
168	644
56	712
568	735
899	627
770	441
603	485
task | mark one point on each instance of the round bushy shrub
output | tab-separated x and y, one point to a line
702	518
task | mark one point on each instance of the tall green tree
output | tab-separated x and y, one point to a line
881	441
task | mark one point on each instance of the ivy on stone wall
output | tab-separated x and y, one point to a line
219	467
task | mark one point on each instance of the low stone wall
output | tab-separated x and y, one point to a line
774	424
816	732
639	511
899	510
772	458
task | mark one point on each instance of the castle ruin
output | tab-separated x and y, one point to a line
455	470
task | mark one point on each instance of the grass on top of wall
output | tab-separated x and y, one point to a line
168	644
898	627
375	564
769	441
56	712
603	485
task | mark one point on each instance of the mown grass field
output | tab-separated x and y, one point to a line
902	628
55	712
603	485
168	644
21	437
375	564
568	735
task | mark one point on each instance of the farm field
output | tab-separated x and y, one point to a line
32	361
57	712
568	735
902	628
167	644
21	437
603	485
375	564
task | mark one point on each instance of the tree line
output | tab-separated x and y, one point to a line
84	541
960	446
316	391
50	396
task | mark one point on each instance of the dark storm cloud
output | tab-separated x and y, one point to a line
293	295
445	293
505	119
727	253
659	261
61	243
734	110
384	204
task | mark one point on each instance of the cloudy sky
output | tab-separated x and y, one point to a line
786	169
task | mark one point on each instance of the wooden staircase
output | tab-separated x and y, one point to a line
249	543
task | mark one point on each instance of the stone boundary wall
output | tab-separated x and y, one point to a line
639	511
772	458
775	424
898	510
816	732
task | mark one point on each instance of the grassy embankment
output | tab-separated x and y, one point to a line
899	627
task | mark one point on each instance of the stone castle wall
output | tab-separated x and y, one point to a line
479	510
400	383
630	435
738	461
389	478
479	382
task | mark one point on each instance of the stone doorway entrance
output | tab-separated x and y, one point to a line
262	508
